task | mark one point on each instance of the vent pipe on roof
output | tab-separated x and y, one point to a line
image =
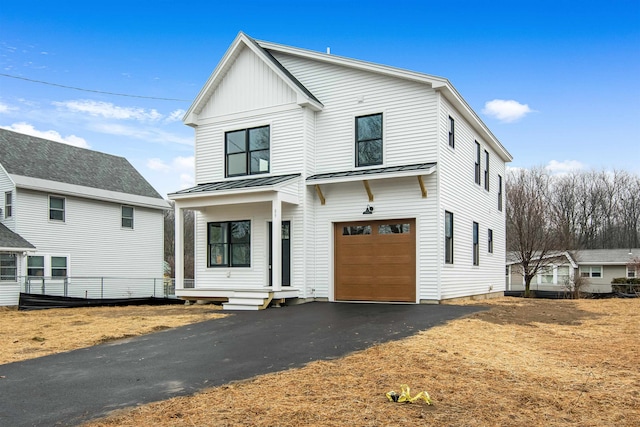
328	51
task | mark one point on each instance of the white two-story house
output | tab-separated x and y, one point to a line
385	184
70	218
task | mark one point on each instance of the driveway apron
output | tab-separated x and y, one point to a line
73	387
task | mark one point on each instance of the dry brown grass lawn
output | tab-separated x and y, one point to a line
29	334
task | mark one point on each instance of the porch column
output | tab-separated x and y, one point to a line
178	262
276	240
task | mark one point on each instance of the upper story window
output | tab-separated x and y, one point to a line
452	132
229	244
8	267
448	237
477	164
369	140
127	217
490	241
476	244
486	170
500	193
56	208
8	204
247	151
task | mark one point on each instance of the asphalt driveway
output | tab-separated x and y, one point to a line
71	388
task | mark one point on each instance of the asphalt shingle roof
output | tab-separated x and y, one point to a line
237	184
9	239
34	157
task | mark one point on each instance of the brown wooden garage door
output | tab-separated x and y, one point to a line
375	260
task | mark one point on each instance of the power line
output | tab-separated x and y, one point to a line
94	91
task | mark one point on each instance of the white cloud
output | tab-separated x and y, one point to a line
156	164
108	110
557	168
186	180
175	116
4	108
178	165
52	135
146	133
506	111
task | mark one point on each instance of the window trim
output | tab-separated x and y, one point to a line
500	193
123	217
476	243
588	269
63	210
8	204
228	245
490	240
452	132
448	240
631	272
247	151
486	170
43	268
358	142
476	171
52	268
14	267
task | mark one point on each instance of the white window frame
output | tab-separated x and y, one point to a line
64	208
589	270
8	204
631	272
123	217
5	267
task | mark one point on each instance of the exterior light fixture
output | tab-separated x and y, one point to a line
368	210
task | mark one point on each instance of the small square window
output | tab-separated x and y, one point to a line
127	217
369	140
58	266
35	266
8	268
229	244
56	208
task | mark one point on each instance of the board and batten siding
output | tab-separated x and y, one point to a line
397	198
92	236
469	202
409	111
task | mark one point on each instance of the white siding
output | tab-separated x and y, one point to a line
7	185
409	113
469	202
249	85
92	236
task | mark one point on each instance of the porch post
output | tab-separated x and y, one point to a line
276	240
178	261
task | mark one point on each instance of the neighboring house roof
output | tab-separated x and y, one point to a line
384	172
236	184
13	242
587	256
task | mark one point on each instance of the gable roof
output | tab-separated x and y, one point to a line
10	241
33	157
587	256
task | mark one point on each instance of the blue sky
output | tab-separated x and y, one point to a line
557	82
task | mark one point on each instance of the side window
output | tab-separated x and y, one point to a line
58	266
448	237
490	241
247	151
8	204
56	208
500	193
477	164
452	132
369	140
127	217
476	245
486	170
8	267
35	266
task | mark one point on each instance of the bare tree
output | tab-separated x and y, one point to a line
531	233
189	239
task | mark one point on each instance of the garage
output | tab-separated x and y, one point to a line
375	261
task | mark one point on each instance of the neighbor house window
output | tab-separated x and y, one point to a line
35	266
452	132
631	272
490	241
369	140
564	275
500	193
477	164
591	271
486	170
127	217
8	268
476	244
229	244
448	237
8	204
247	151
546	275
58	266
56	208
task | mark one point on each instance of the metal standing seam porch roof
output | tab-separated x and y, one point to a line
236	184
373	173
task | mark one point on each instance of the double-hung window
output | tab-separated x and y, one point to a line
490	241
477	164
229	244
127	217
452	132
369	140
631	272
35	266
58	266
247	151
8	204
486	170
448	237
591	271
476	244
500	193
56	208
8	268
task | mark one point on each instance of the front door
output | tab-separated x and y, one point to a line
286	253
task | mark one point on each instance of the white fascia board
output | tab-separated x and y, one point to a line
62	188
231	197
370	177
21	250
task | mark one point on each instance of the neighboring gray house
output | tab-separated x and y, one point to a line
598	266
384	184
70	212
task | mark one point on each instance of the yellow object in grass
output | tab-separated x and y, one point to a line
405	396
